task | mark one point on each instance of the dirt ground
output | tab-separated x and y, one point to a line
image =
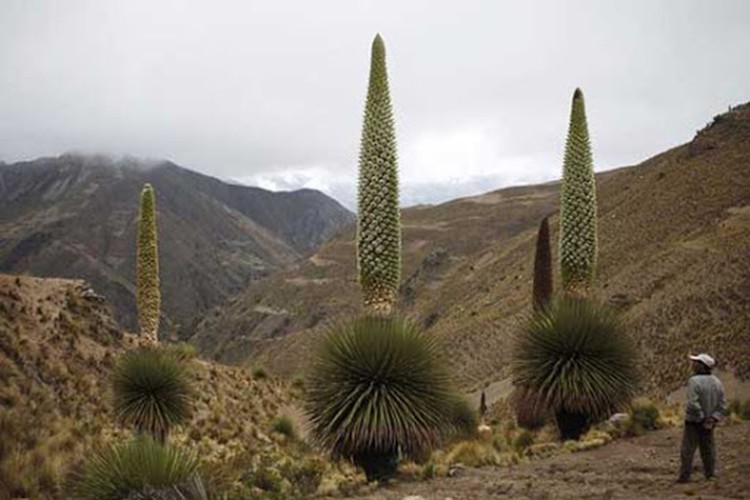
638	468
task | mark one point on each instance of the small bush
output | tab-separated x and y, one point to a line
429	470
464	418
284	425
182	351
523	441
141	468
645	415
298	383
152	391
473	454
742	410
304	475
266	478
259	373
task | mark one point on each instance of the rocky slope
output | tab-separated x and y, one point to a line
75	216
674	240
58	345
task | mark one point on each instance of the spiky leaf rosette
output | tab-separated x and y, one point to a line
378	223
152	391
542	267
377	385
576	356
578	238
148	295
141	468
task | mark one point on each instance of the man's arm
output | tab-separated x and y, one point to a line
693	411
722	410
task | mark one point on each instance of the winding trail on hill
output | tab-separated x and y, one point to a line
637	468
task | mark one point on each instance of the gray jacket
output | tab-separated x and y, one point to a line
705	398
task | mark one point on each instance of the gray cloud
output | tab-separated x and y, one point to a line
272	92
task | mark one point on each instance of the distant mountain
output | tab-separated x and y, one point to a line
674	237
75	216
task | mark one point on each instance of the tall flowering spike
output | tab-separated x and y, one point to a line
543	267
148	296
578	239
379	218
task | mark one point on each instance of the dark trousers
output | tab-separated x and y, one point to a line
695	436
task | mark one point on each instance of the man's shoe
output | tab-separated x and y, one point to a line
683	480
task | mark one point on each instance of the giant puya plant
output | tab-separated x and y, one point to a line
573	358
378	386
578	237
378	223
148	295
152	393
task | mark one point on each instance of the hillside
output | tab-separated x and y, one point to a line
58	344
674	242
74	216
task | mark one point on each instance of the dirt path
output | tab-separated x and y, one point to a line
638	468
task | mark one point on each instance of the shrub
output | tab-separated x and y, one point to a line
644	415
298	383
265	477
523	441
182	351
378	386
742	410
151	391
576	356
141	468
473	454
284	425
464	418
259	373
304	475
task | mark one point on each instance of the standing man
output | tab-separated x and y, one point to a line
706	405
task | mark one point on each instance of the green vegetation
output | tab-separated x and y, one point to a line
141	468
644	416
464	418
148	295
379	226
578	237
523	441
151	391
284	425
543	287
378	386
742	410
182	351
260	373
576	356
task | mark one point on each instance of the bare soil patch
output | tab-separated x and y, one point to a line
643	467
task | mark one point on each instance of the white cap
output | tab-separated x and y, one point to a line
705	359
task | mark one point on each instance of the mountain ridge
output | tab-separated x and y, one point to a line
74	216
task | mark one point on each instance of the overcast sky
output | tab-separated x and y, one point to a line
272	93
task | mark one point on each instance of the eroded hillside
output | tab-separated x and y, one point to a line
58	344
